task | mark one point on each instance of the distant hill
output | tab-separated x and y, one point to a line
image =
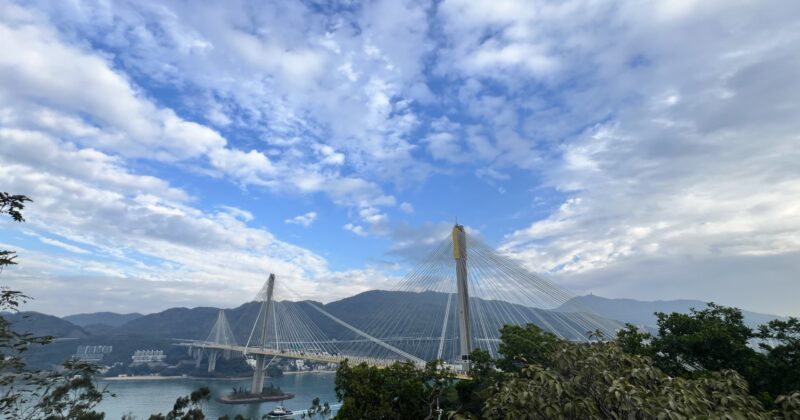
111	319
361	311
641	313
366	311
98	329
40	324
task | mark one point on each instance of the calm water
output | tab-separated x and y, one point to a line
142	398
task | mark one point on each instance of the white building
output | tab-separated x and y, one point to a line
149	356
91	353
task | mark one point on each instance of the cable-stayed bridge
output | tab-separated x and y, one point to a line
455	301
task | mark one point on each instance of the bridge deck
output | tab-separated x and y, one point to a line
317	357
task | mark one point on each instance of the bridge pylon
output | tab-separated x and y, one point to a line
260	330
462	288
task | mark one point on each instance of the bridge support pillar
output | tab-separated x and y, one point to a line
198	357
464	325
212	360
258	375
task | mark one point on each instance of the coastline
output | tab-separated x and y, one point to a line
166	378
195	378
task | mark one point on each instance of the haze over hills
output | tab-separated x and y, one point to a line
361	311
44	325
110	319
358	310
641	313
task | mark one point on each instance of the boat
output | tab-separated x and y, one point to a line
280	411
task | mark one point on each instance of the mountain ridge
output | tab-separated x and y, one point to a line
641	312
111	319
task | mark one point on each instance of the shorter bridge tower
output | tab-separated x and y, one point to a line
221	334
259	334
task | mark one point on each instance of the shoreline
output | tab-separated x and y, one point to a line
195	378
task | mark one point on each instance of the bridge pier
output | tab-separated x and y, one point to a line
212	360
258	375
198	357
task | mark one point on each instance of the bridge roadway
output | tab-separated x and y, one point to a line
317	357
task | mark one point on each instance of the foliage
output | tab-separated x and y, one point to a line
522	345
399	391
716	338
67	394
601	381
473	393
781	346
633	341
788	406
317	410
187	408
711	339
11	205
25	393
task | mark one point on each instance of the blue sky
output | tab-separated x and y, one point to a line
177	152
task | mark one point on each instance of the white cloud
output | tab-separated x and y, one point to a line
132	125
406	207
700	172
62	245
669	127
136	227
303	219
357	229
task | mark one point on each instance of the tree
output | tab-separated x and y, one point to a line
600	380
30	394
70	393
317	409
780	341
11	205
399	391
716	338
711	339
187	408
523	345
633	341
473	393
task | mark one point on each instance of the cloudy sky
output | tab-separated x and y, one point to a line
177	152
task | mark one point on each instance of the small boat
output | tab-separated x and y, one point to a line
280	411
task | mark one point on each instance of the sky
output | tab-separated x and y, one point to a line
177	152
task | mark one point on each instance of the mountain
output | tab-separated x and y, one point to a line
40	324
111	319
367	311
393	316
641	313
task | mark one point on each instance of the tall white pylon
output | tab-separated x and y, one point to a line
464	324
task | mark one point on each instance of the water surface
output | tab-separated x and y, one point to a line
141	398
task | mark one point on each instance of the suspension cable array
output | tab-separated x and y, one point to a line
422	317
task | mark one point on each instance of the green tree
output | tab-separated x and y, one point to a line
523	345
11	205
399	391
594	381
711	339
188	407
780	342
633	341
472	393
30	394
716	338
317	409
